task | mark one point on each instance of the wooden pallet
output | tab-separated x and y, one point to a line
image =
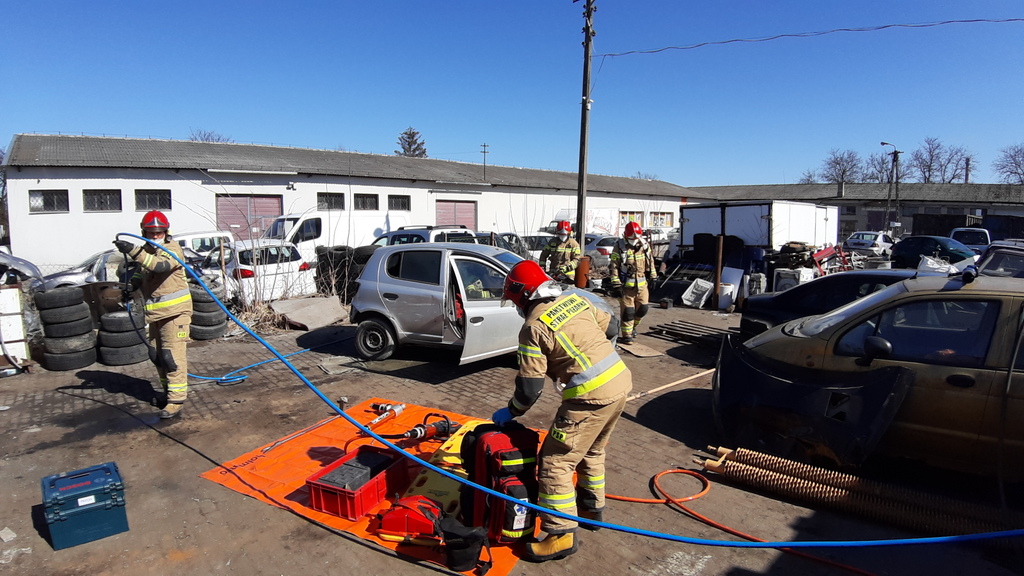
681	330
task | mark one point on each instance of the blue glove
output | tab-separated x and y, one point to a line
502	417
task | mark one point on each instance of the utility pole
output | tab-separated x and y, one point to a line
484	152
581	192
894	179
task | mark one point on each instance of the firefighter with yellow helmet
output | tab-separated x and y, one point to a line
631	269
168	306
562	253
566	337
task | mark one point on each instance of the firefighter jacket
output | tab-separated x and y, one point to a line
632	266
560	254
565	340
164	284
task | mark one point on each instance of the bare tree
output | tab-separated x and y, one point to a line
877	168
644	176
200	135
3	174
808	177
841	167
934	162
411	144
1009	166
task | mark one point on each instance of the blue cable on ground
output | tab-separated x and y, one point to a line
620	528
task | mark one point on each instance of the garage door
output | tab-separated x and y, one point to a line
451	212
247	216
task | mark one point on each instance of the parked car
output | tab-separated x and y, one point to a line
918	370
261	270
415	234
106	266
518	245
869	243
599	248
14	270
907	252
974	238
203	242
445	294
536	243
763	311
1003	258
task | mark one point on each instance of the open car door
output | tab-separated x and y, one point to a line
489	329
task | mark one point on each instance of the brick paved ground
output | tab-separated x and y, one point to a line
181	524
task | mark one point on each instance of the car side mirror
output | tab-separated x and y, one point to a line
874	347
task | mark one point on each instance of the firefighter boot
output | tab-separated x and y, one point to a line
591	515
172	410
553	547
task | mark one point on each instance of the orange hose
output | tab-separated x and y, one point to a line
706	486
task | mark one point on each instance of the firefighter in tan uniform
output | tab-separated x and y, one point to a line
632	268
168	306
566	337
562	253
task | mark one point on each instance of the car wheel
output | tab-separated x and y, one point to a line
374	340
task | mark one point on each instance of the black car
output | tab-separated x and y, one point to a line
1003	258
908	251
764	311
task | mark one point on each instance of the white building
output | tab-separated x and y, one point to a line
67	196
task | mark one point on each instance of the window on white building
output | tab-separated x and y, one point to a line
146	200
627	217
330	201
661	219
399	202
366	202
48	201
101	200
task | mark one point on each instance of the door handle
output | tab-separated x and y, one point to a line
960	380
476	319
390	296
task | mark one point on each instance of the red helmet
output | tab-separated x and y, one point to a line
522	282
633	230
564	227
154	221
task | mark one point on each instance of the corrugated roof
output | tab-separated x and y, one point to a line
909	192
106	152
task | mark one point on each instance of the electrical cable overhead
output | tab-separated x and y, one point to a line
814	34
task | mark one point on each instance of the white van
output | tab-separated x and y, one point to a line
307	230
204	242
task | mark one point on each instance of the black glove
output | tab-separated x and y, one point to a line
615	291
124	246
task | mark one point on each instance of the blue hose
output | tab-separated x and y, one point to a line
620	528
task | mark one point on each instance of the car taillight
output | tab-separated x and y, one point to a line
240	273
605	251
874	244
305	266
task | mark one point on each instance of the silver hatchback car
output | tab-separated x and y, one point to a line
435	294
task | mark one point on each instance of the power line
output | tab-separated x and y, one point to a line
813	34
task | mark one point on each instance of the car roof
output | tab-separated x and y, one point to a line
480	249
983	284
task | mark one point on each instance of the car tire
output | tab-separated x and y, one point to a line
64	314
209	318
70	361
198	306
199	294
375	339
79	343
122	339
68	329
123	356
208	332
59	297
361	255
121	321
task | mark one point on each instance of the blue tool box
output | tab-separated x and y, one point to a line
84	505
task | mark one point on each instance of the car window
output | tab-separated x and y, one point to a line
482	282
510	259
608	241
415	266
817	324
456	237
1003	264
214	260
268	255
950	332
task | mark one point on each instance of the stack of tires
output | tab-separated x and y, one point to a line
339	267
69	341
209	321
122	337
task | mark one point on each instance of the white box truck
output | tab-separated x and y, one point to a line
768	224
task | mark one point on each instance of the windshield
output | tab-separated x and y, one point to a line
814	325
279	228
508	259
970	236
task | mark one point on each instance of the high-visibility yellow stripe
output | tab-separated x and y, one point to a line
593	481
513	533
531	351
177	387
165	304
557	501
573	351
147	261
518	462
594	383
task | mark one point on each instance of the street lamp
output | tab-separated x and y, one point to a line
894	179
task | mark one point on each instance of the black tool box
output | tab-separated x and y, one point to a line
84	505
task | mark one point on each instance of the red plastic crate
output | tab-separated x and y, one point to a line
352	504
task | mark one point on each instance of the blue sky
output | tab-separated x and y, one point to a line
324	74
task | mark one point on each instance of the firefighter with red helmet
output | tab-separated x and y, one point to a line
566	337
562	253
168	306
631	269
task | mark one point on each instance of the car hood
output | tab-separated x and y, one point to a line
24	268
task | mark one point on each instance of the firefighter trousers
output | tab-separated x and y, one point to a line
633	299
172	334
575	443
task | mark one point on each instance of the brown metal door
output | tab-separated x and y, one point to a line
452	212
247	216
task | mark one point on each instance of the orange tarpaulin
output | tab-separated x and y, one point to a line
277	473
